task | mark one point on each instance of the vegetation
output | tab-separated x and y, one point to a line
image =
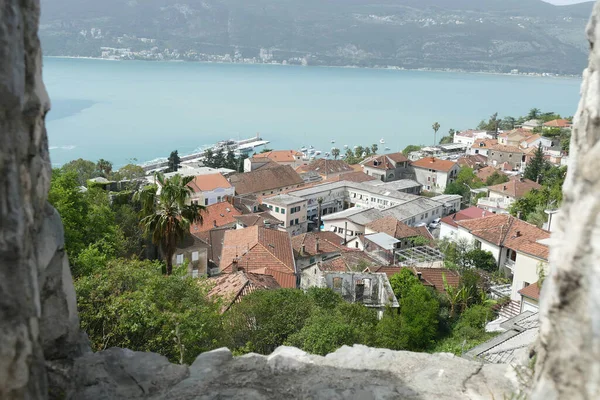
465	181
449	138
360	153
226	159
496	178
410	148
174	161
436	127
536	166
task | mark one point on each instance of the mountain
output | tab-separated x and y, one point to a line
472	35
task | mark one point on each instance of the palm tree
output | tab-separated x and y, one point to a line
166	216
534	113
374	148
105	167
436	128
358	152
335	152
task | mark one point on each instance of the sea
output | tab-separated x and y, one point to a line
137	111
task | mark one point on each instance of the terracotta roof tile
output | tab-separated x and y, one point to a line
350	260
515	188
263	180
469	213
432	277
329	242
214	216
484	143
393	227
209	182
506	149
559	123
386	161
280	155
326	167
532	291
532	138
231	288
472	160
351	177
508	231
434	163
486	172
257	219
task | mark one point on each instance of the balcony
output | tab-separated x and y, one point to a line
494	202
510	264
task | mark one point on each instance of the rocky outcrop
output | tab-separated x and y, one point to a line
568	361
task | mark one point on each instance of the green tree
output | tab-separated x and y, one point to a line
84	170
324	298
552	132
128	303
174	161
534	113
374	148
496	178
410	148
105	167
465	181
536	166
168	219
358	152
480	259
230	160
335	152
508	123
209	158
403	281
419	310
219	160
130	172
436	127
389	333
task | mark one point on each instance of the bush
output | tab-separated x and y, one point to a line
480	259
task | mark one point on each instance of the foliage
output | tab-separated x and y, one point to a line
465	181
389	333
324	298
402	282
129	172
174	161
536	166
335	153
496	178
128	303
84	170
227	159
105	167
481	259
410	148
549	196
419	315
168	218
436	127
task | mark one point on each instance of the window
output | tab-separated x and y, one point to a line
337	284
477	244
195	202
291	222
270	207
312	260
356	244
525	284
350	233
296	221
219	199
276	209
179	259
194	256
283	210
205	202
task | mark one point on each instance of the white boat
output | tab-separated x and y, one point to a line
387	148
355	147
327	154
382	141
311	147
318	153
332	141
345	146
303	149
311	151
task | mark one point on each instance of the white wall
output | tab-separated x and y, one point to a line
526	270
217	195
344	224
448	231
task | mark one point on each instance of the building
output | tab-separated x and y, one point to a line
194	252
355	176
473	161
345	261
290	210
210	189
403	185
435	174
534	141
484	173
451	203
520	248
326	168
469	137
388	167
261	251
532	124
448	224
481	147
231	288
503	156
263	219
398	230
382	246
351	222
430	277
265	181
291	158
514	137
558	123
218	215
316	247
502	196
530	297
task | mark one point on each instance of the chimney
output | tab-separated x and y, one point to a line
302	249
215	223
317	245
234	265
521	179
518	234
505	187
420	276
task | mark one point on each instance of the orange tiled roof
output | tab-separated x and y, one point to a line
432	277
232	287
263	180
532	291
256	250
326	167
506	149
469	213
532	138
214	216
393	227
386	161
434	163
472	160
516	187
510	232
349	260
484	143
280	155
358	177
558	123
329	242
486	172
204	183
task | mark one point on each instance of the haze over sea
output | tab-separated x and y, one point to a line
143	110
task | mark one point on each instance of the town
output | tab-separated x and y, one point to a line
468	221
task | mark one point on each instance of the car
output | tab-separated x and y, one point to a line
435	223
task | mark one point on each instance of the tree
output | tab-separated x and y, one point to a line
84	170
209	157
128	303
335	152
219	160
130	172
536	166
481	259
374	148
402	282
174	161
230	160
168	219
496	178
319	212
465	181
508	123
358	152
410	148
436	127
534	113
105	167
419	310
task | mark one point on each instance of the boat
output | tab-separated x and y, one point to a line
333	148
345	146
355	147
303	149
311	147
387	149
311	151
327	154
382	141
318	153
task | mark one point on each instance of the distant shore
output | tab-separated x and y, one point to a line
386	68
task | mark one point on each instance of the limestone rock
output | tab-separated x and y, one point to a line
568	362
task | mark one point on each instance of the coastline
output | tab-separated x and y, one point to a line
385	68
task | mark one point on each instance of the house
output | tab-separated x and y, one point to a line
261	251
469	137
194	252
341	261
532	124
326	168
210	189
290	210
500	154
482	146
396	229
530	297
558	123
291	158
503	195
351	222
430	277
316	247
451	202
266	181
435	174
473	161
218	215
382	247
231	288
448	224
514	137
354	176
263	219
484	173
403	185
535	141
520	248
311	177
387	167
213	241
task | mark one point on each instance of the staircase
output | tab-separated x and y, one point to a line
510	310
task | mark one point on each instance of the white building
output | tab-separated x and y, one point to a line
210	189
502	196
435	174
291	211
470	136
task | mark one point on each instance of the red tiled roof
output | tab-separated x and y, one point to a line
484	143
263	180
434	163
486	172
257	250
232	287
358	177
205	183
386	161
349	260
515	188
326	167
432	277
469	213
472	160
214	216
257	219
510	232
518	131
532	291
532	138
329	242
558	123
393	227
280	155
506	149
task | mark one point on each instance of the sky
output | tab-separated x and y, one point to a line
564	2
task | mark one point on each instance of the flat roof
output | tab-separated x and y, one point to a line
383	240
394	185
283	200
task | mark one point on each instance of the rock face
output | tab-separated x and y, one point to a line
568	363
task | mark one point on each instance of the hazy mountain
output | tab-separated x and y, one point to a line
490	35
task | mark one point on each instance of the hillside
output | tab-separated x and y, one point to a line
474	35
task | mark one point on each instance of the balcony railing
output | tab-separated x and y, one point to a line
495	202
510	264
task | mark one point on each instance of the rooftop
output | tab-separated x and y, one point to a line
280	155
360	216
352	177
326	167
466	214
506	149
484	143
486	172
435	164
283	200
558	123
214	216
231	288
393	227
349	260
257	219
400	185
383	240
472	160
385	161
305	245
412	208
532	291
209	182
432	277
515	188
263	180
